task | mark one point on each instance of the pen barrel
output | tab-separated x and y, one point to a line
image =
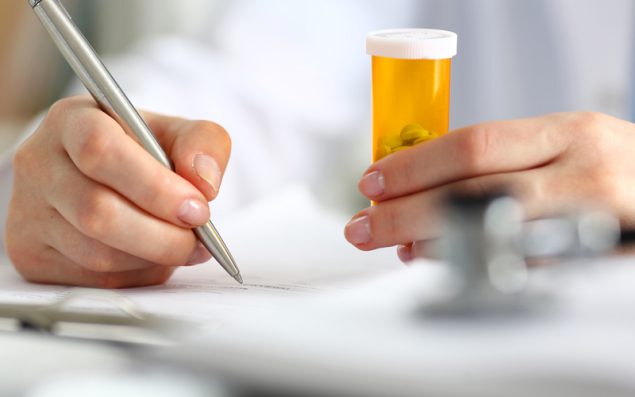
96	78
102	86
208	235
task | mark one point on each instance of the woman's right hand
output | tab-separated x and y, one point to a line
91	207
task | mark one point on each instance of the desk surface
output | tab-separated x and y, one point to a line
350	317
366	338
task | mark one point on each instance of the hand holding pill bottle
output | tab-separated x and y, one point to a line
410	86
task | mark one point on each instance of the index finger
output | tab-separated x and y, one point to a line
483	149
100	149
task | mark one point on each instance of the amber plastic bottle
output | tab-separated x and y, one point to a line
410	86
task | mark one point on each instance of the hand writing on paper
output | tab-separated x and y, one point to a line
546	161
91	207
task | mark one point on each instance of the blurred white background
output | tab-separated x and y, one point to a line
290	79
32	73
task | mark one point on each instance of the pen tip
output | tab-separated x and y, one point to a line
238	278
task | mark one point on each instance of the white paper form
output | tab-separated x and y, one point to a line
287	247
369	339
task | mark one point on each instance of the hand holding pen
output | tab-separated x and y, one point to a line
92	207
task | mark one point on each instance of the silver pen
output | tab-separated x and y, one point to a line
111	99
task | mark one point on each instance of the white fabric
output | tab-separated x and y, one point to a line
290	79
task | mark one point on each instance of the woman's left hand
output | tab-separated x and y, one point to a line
547	162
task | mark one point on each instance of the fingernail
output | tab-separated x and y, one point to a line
405	253
358	230
193	212
200	255
372	184
207	169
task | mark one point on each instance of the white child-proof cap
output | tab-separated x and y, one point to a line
412	43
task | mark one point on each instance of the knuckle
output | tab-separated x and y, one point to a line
588	120
473	148
98	215
63	108
60	109
592	127
93	147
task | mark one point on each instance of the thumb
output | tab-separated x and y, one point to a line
199	149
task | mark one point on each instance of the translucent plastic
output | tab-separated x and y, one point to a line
411	102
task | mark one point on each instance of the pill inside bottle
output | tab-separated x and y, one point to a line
410	86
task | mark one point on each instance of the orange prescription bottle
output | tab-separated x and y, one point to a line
410	86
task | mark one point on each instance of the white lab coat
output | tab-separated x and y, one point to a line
290	80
